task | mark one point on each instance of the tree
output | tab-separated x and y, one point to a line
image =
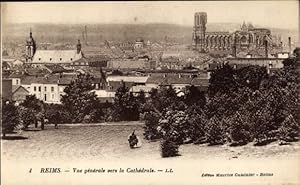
239	128
174	128
125	105
33	111
10	117
194	96
197	121
175	124
289	130
52	110
141	100
251	76
151	118
27	116
78	100
168	147
214	131
33	103
222	81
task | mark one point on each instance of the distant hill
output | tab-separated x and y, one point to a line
97	33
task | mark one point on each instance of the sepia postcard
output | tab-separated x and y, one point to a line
150	93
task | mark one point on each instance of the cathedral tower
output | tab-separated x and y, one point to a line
200	20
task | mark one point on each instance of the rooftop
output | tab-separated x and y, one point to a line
169	79
200	82
136	79
55	68
50	79
55	56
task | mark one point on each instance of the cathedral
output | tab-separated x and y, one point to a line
246	40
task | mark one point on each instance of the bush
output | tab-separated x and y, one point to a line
197	122
289	130
27	116
56	113
169	148
151	119
239	129
214	131
10	117
175	124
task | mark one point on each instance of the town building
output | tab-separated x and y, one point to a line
49	89
6	91
19	93
177	81
139	44
131	64
11	63
92	61
16	78
114	82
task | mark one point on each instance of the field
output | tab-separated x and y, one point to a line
106	147
109	142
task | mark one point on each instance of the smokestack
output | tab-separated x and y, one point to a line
290	45
234	47
86	36
83	36
266	48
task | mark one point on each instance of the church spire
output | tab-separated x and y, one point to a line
244	27
30	46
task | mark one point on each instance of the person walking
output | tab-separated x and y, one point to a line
57	115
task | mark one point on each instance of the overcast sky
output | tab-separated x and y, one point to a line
278	14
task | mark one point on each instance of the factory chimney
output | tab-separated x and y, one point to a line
86	35
290	46
266	48
234	47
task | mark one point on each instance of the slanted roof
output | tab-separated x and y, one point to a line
82	60
55	68
179	79
200	82
66	79
135	79
98	58
16	75
172	54
55	56
127	64
139	88
114	85
27	80
156	78
15	88
50	79
10	60
169	79
36	72
6	64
